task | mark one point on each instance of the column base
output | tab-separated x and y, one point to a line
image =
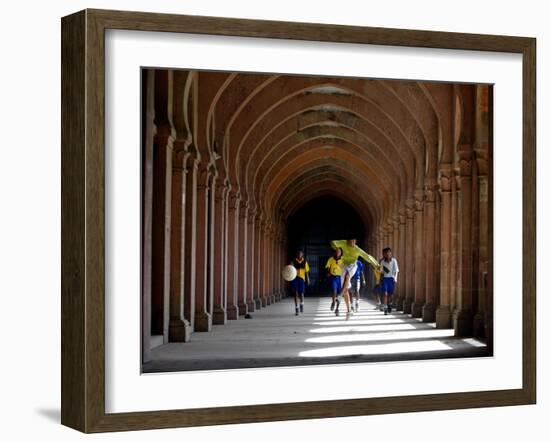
263	300
416	310
251	305
399	304
220	316
179	330
463	323
203	322
243	309
428	313
272	296
258	303
443	317
407	306
268	300
232	312
479	325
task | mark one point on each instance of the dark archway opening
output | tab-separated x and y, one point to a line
313	226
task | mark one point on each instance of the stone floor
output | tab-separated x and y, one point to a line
274	336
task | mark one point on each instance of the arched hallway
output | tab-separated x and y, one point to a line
239	169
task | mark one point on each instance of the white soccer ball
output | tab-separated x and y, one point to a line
289	273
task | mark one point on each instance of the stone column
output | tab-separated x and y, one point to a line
428	309
179	328
394	244
162	199
402	284
220	256
257	261
455	243
483	268
190	268
443	312
203	319
463	316
267	264
419	256
409	256
242	277
251	259
271	261
149	130
263	265
232	254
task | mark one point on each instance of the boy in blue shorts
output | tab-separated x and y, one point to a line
335	267
298	284
389	270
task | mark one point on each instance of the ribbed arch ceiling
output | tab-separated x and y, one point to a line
276	130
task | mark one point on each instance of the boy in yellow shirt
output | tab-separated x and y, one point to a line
335	267
350	253
298	285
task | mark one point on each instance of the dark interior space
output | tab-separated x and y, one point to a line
313	226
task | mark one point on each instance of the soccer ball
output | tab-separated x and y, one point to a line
289	273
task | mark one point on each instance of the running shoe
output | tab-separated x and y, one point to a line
296	311
301	308
332	305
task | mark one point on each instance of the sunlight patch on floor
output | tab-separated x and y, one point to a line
373	349
352	328
420	334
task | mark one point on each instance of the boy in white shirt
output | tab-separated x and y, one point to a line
389	270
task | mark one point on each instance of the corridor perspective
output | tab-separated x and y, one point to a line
240	170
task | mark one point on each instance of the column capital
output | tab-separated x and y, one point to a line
482	159
395	220
445	177
430	188
221	191
465	156
233	199
243	213
402	214
419	200
252	210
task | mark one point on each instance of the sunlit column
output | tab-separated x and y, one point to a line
203	319
419	256
180	328
443	313
190	239
162	204
250	259
428	309
220	255
232	254
242	259
257	261
409	256
463	316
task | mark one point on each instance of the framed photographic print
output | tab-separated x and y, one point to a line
259	217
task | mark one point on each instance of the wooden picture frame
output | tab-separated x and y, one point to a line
83	218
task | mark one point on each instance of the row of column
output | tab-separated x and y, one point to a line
208	255
442	240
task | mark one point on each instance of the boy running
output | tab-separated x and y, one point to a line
298	284
350	253
356	281
335	267
389	269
